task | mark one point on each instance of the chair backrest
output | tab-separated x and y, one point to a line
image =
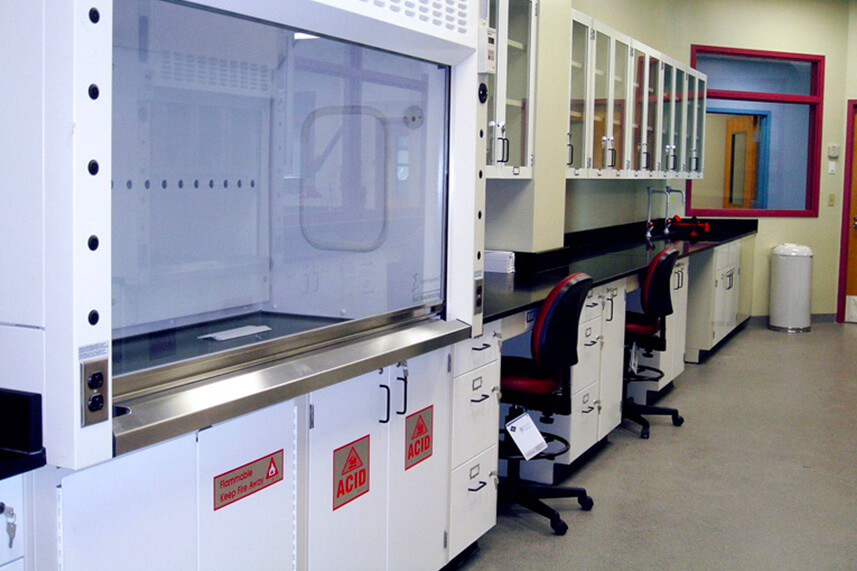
554	344
655	291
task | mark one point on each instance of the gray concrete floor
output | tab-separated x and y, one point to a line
763	474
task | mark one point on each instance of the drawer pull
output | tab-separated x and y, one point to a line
481	485
483	347
590	344
483	398
588	410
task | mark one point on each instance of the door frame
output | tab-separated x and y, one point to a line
851	111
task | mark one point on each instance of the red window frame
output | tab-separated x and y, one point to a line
815	100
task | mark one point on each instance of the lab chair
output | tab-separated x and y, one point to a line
543	383
646	332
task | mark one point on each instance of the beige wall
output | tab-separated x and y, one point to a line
806	26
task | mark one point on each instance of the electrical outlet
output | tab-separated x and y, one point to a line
831	199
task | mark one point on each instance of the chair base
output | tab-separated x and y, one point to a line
634	412
530	495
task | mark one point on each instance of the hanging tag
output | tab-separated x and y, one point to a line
526	436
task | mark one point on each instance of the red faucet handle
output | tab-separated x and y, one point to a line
676	218
650	224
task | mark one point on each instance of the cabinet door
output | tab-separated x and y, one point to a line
600	46
579	110
669	158
419	462
246	477
137	511
680	122
612	360
473	500
698	166
721	306
12	495
677	326
347	473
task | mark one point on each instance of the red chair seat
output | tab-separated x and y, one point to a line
525	376
641	325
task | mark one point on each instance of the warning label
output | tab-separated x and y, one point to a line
418	437
248	479
350	472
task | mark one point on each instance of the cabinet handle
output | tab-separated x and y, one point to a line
504	150
594	304
648	156
482	484
570	155
483	347
695	162
611	162
674	158
590	344
404	396
610	299
588	410
483	398
386	420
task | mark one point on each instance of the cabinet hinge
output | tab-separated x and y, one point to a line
591	34
445	539
449	362
312	416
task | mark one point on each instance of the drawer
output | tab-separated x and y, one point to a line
12	494
474	353
584	421
588	367
475	412
472	501
592	305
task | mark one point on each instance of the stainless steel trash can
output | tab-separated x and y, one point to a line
791	288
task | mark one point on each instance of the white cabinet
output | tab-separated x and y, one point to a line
475	413
511	89
670	361
138	511
596	380
715	295
632	112
378	465
12	496
246	491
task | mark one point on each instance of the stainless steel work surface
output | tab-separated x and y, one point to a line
159	416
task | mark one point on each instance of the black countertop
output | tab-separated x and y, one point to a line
507	294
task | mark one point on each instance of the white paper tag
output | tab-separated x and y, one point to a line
526	436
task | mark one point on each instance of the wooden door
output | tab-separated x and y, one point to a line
739	177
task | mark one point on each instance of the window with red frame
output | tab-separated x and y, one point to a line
763	133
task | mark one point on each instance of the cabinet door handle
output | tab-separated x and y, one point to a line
648	156
570	155
588	410
483	398
590	344
386	420
611	162
483	347
504	150
404	396
482	484
610	299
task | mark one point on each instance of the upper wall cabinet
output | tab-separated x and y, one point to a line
511	88
634	113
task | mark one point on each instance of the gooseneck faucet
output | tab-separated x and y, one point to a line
667	220
649	223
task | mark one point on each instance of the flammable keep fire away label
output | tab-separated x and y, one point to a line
418	437
350	472
248	479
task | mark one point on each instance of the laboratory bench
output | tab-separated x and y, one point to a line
606	254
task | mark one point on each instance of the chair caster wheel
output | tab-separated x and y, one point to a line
644	434
586	503
558	526
678	420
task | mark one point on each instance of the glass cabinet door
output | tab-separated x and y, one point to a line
697	167
578	109
668	150
679	123
620	106
689	132
653	112
601	86
492	84
511	116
